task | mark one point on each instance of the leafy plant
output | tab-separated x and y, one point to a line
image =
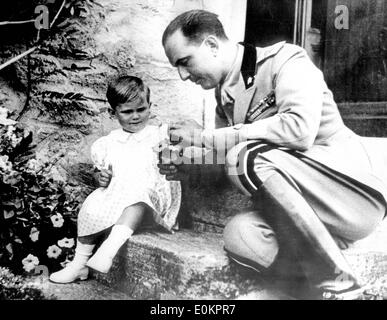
37	213
74	29
63	106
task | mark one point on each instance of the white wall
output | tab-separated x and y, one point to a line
233	16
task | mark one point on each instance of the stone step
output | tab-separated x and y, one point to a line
193	265
368	257
80	290
183	265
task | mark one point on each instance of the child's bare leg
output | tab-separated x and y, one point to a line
90	240
128	222
132	216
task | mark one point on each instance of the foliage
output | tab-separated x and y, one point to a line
14	287
63	106
74	30
37	213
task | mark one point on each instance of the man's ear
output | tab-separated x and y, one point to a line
212	42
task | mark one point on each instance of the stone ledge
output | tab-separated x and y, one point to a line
193	265
368	257
185	265
81	290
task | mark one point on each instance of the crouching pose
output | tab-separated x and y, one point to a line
319	185
130	185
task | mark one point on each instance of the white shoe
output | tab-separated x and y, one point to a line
70	273
100	261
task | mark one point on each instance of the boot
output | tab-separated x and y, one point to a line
102	260
76	269
298	226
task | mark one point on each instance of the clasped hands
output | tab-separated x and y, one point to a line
182	134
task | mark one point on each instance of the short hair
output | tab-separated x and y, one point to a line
125	89
195	25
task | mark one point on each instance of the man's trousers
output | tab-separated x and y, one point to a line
304	207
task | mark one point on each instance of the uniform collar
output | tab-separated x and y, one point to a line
229	85
244	67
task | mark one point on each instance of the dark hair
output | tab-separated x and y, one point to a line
125	89
196	25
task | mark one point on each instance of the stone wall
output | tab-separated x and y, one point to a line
69	75
67	109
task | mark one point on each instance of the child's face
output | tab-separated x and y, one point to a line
134	115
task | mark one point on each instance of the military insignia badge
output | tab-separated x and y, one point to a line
263	109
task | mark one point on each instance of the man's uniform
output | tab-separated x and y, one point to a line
320	183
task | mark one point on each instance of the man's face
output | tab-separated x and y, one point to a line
133	116
196	62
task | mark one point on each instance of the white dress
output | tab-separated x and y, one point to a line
135	179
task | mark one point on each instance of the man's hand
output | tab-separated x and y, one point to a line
170	161
105	176
169	171
186	132
173	172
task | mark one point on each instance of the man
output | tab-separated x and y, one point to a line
316	180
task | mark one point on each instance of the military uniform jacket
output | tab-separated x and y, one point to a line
301	115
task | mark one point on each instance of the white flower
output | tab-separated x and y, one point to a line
3	112
30	262
57	220
10	131
34	234
54	251
5	165
66	243
15	141
3	117
33	165
11	177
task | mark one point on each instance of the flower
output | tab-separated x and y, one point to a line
30	262
10	131
11	177
54	251
5	165
66	243
3	112
57	220
15	141
33	165
34	234
3	117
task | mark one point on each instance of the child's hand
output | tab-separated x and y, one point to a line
105	176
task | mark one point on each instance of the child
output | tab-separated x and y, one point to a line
130	184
